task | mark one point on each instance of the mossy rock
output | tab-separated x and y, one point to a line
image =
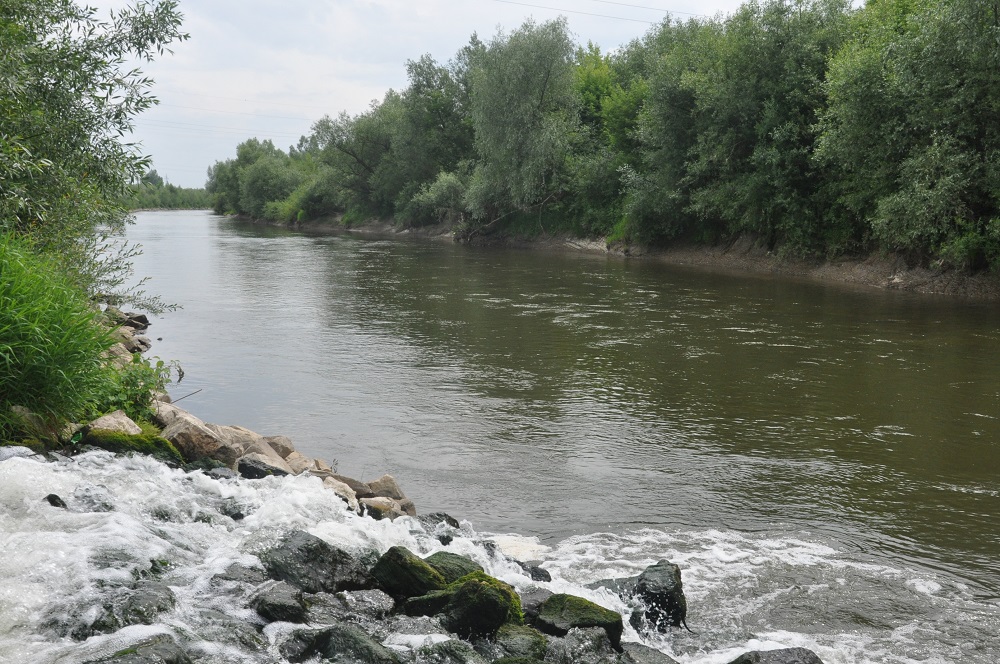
520	641
145	443
480	605
401	573
561	613
452	566
427	605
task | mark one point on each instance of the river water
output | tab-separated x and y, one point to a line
823	463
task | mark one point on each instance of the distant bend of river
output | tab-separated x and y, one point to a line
559	395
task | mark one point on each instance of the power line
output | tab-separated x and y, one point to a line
655	9
573	11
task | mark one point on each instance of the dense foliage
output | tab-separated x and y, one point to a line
66	100
153	193
816	128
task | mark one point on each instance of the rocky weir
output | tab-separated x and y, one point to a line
354	574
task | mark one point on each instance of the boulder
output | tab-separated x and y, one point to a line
16	452
450	652
381	508
561	613
782	656
636	653
339	642
522	641
281	444
452	566
534	571
480	605
430	604
55	501
386	487
135	321
434	519
240	438
117	422
531	600
194	440
258	466
280	602
298	463
140	605
408	507
258	446
323	466
157	649
583	646
361	490
348	606
165	414
119	355
402	574
659	588
345	492
242	574
138	344
310	563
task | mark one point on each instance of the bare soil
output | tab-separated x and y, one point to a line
745	256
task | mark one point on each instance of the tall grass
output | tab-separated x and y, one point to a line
51	340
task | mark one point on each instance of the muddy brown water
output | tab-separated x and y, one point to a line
559	394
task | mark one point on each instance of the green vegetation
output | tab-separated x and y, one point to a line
149	442
813	127
66	98
152	193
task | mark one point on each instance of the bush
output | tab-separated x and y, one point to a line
51	340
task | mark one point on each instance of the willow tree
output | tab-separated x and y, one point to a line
524	112
67	98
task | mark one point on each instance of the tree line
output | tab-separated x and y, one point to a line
67	96
154	193
816	128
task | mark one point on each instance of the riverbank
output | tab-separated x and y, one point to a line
742	256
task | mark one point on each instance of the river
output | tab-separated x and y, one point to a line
823	462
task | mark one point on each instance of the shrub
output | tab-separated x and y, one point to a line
51	340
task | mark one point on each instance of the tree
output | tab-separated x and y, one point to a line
66	101
524	114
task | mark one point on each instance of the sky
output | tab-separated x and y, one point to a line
269	69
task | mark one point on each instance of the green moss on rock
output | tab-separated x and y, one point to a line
145	443
451	565
561	613
401	573
520	641
480	605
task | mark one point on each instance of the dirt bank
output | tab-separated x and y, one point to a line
742	256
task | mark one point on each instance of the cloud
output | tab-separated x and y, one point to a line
269	69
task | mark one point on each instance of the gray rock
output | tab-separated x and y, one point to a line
387	487
659	588
449	652
16	452
194	440
117	422
341	643
242	574
165	413
55	501
381	508
364	606
582	646
782	656
361	490
531	599
140	605
282	445
309	563
256	466
636	653
280	602
561	613
158	649
522	641
535	573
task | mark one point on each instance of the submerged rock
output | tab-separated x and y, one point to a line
380	508
55	501
782	656
401	573
140	605
534	572
531	600
311	564
560	613
365	606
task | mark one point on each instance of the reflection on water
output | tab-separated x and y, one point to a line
562	394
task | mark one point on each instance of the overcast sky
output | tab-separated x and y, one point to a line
269	69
